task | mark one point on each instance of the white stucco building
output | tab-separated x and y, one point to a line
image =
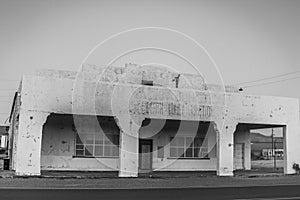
137	119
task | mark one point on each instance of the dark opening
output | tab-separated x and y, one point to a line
147	82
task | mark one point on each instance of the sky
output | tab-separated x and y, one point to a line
241	40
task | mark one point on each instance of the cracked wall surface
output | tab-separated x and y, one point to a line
58	145
119	93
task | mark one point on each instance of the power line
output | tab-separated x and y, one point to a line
8	80
269	83
268	78
8	90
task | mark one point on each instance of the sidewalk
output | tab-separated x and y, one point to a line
99	175
169	174
110	180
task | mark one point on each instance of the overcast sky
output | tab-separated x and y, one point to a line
248	40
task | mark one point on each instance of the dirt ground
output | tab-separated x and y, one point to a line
255	164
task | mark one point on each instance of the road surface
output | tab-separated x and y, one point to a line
254	192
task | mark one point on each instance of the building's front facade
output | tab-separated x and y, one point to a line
138	119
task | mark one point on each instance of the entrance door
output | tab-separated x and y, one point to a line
145	156
238	156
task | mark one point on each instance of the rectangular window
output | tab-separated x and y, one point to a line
97	145
188	147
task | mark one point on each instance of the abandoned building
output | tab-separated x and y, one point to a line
137	119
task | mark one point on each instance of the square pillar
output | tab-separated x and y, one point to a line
243	136
225	133
129	146
29	142
291	142
291	137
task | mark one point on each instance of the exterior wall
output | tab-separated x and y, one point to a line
58	147
243	137
14	128
162	138
83	96
134	74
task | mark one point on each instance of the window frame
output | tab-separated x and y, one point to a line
204	145
105	143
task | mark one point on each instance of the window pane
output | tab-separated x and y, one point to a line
180	152
88	150
198	142
79	152
204	149
197	153
204	155
108	138
189	153
116	140
173	142
79	147
205	143
78	139
115	150
173	152
89	139
108	151
86	138
177	142
188	141
99	138
99	150
181	141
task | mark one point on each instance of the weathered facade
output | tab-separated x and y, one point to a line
140	118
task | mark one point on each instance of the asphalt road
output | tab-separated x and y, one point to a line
256	192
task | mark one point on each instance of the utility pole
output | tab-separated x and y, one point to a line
275	166
273	149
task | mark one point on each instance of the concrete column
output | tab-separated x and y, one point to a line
129	145
291	145
28	152
247	150
243	136
225	133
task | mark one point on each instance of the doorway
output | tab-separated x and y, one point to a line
145	155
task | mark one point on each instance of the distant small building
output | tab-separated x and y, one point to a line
3	141
261	146
270	153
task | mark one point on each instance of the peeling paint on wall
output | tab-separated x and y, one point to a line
91	92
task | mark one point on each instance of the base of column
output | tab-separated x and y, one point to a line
127	174
228	173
